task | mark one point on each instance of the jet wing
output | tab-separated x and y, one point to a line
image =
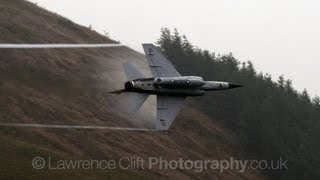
167	109
159	65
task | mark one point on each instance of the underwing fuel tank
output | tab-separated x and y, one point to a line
180	82
218	85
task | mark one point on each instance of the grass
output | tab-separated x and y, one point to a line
16	163
22	32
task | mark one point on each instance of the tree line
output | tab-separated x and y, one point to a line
270	118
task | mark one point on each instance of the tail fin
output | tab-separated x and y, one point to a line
131	71
136	99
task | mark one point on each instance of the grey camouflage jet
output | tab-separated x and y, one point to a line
167	84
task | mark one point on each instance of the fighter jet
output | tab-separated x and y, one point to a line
167	84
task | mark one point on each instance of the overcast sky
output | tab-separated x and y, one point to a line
278	36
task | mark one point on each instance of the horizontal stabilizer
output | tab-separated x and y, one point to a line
131	71
137	100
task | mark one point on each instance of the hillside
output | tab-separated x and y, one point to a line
71	87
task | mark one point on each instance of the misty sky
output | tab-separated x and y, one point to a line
278	36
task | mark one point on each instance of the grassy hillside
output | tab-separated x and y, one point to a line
71	87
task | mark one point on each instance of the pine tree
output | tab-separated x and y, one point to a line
271	119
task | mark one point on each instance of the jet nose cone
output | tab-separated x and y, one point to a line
232	85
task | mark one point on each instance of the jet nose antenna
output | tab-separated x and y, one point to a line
232	85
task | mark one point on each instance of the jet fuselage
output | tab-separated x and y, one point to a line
176	86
